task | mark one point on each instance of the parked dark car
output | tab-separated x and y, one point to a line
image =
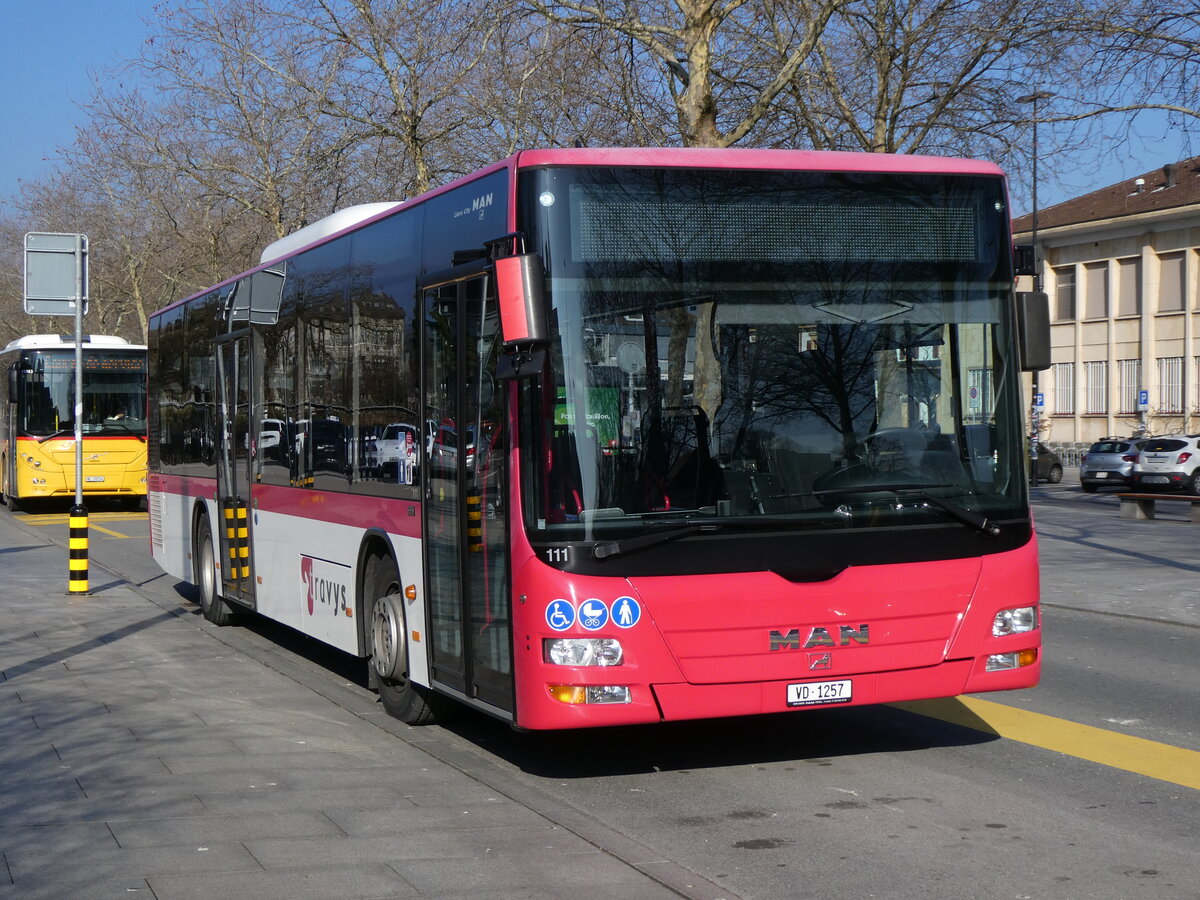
1049	465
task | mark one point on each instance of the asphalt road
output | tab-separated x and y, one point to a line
1085	787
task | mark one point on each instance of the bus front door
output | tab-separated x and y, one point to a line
233	467
465	482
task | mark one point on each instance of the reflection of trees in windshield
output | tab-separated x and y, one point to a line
787	326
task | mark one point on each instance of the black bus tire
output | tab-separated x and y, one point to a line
208	579
387	644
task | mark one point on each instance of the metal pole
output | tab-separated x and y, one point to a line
77	575
1037	286
79	370
1034	418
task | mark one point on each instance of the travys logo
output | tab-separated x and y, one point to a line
327	586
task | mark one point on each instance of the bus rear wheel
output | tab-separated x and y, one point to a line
5	497
215	609
408	702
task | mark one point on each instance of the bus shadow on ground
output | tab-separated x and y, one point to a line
815	737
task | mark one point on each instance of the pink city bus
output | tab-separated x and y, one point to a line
600	437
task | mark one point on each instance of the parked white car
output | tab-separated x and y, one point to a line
1171	461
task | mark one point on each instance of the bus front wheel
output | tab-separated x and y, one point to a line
215	609
410	703
5	496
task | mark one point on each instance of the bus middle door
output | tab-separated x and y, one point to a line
234	456
465	480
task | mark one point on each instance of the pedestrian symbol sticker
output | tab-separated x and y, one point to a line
626	612
593	614
560	615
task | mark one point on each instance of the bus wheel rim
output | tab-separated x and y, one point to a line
387	643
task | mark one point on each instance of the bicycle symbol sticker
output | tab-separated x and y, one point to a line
560	615
593	614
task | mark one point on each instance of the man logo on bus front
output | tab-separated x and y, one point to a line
820	637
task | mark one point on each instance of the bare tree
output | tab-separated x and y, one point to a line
227	117
701	50
395	75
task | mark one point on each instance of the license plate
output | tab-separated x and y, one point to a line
93	478
1156	479
815	693
1099	474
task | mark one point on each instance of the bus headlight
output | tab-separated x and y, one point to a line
578	694
583	651
1015	621
998	662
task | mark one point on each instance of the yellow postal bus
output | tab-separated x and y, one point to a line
37	444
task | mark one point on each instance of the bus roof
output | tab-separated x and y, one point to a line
67	342
350	218
739	158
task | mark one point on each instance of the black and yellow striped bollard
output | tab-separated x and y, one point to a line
77	576
474	521
238	538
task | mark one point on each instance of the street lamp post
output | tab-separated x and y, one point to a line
1035	425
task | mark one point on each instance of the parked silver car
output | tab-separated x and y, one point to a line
1109	461
1171	461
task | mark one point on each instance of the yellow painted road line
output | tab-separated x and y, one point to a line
62	519
94	527
1109	748
56	519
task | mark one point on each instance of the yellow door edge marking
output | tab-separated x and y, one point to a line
1153	759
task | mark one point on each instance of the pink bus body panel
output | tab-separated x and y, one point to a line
702	648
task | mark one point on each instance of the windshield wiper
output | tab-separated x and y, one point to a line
59	433
117	423
609	549
968	517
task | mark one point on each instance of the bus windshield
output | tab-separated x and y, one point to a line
771	349
114	393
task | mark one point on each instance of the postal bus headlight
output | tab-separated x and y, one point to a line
1015	621
583	651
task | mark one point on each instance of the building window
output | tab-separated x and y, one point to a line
1129	377
1064	294
1064	388
1095	377
1171	280
1129	287
1096	287
1170	385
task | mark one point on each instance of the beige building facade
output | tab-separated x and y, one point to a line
1121	267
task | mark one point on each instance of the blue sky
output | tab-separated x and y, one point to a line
52	48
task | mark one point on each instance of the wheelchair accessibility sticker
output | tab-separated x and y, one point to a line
560	615
593	614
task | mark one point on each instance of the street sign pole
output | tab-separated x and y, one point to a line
56	286
79	370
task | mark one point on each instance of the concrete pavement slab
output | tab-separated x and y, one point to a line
145	754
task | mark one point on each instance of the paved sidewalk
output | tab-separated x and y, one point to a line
1093	560
144	755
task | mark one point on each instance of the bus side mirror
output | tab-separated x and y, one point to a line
13	383
522	306
1033	330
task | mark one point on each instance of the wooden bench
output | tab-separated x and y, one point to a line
1141	506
